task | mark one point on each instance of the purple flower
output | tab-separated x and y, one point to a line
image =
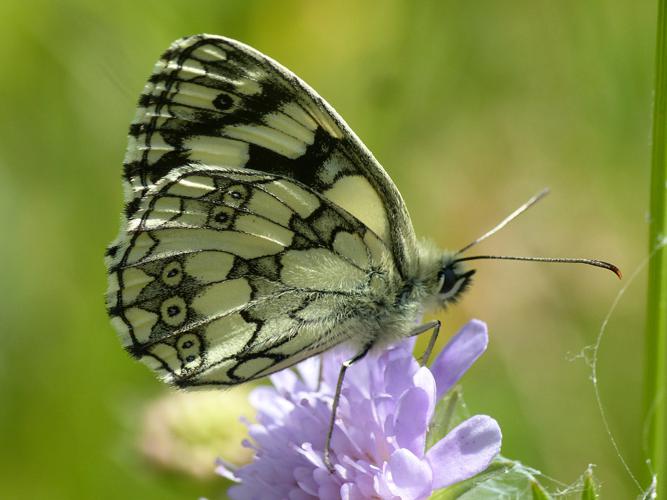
378	444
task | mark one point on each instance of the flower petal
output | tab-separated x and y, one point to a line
269	404
296	494
309	369
398	375
284	381
408	477
226	470
350	491
467	450
424	379
459	354
304	478
411	420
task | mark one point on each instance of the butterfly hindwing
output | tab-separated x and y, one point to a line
225	276
216	102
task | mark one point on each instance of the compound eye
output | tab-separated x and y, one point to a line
448	280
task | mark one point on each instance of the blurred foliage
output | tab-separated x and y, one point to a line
471	106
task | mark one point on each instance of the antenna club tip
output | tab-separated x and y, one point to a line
614	269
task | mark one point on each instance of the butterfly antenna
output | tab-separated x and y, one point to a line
507	219
590	262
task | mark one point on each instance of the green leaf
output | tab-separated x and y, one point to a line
590	488
450	411
504	478
539	493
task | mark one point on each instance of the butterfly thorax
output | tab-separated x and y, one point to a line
438	280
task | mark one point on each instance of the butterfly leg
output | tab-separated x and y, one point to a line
431	325
334	407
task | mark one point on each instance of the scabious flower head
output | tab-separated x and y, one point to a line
379	439
186	431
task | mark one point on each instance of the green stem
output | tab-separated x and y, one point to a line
656	327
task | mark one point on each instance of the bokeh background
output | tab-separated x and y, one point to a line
471	107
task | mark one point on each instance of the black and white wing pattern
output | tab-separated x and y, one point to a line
225	276
220	103
258	229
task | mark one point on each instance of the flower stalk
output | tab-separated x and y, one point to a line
656	327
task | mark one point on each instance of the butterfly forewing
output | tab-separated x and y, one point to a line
225	276
220	103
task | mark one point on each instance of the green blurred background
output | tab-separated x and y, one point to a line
471	107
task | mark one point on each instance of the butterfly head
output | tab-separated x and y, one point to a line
453	279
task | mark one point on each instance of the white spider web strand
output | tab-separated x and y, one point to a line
650	492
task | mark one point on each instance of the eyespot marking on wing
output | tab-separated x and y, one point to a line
173	311
172	274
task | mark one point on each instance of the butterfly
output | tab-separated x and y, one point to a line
258	229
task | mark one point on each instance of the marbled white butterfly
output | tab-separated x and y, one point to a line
258	228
